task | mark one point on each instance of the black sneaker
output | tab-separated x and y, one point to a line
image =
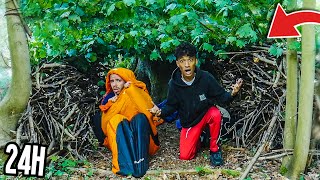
216	158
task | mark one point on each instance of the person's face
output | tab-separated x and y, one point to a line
117	83
187	66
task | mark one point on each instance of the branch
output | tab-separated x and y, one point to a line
64	120
265	59
275	156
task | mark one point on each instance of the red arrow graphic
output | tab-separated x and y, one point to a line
284	25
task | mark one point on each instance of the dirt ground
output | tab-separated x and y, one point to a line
167	165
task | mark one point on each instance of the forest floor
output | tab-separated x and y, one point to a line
167	165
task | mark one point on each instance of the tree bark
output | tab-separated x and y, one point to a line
301	147
15	101
291	97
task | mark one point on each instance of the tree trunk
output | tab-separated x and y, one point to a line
301	147
291	96
15	101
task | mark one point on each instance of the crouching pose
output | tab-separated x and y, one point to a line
194	94
127	128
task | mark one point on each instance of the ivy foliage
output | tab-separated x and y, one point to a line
143	29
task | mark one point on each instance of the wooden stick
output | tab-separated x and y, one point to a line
52	65
265	59
275	156
65	119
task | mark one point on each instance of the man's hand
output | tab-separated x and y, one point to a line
236	87
155	110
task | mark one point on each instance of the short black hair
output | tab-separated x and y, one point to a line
185	49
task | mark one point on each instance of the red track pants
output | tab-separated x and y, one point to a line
189	137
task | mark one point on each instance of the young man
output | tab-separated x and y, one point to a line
126	127
194	93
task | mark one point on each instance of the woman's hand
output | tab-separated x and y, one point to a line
113	99
127	84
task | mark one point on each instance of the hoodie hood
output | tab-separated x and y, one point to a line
126	75
176	77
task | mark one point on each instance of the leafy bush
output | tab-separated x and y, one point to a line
143	29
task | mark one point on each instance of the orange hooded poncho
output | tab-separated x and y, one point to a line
131	101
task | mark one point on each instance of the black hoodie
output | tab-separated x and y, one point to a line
192	102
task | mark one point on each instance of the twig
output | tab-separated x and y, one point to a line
53	65
275	156
242	52
54	85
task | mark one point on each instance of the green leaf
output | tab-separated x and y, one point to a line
102	93
133	33
59	173
170	7
230	40
246	31
240	43
275	50
69	163
220	54
79	11
71	52
100	41
65	14
154	55
195	32
129	2
54	158
171	58
150	2
101	83
90	173
283	170
295	45
165	45
65	23
229	172
121	39
75	18
176	19
91	56
147	32
207	47
111	9
42	54
175	42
